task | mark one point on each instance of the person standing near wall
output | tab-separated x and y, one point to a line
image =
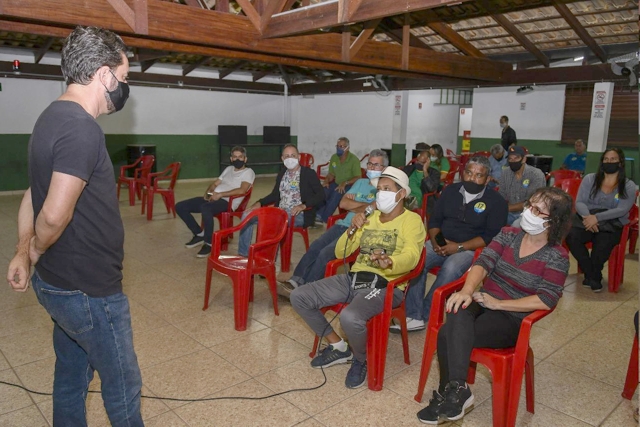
69	227
508	134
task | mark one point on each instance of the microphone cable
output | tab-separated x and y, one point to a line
208	399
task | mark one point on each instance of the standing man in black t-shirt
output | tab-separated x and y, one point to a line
508	134
69	227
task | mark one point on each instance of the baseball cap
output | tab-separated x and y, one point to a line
517	150
396	175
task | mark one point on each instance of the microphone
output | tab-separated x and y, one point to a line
367	213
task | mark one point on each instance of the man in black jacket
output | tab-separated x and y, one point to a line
508	134
296	189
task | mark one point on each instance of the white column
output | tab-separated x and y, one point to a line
600	117
400	114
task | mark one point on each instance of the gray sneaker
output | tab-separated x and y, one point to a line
330	356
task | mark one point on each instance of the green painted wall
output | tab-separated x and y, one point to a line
559	152
398	155
199	155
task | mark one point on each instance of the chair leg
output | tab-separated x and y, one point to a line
270	274
251	288
132	193
529	380
150	205
430	345
241	301
471	373
377	341
631	382
500	390
207	286
305	237
615	269
404	333
633	240
118	190
285	251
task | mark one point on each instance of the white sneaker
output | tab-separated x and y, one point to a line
412	325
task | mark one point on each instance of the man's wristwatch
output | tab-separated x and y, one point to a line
460	248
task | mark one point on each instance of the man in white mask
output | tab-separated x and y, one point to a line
296	189
390	242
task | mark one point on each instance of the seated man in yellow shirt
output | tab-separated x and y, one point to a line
390	242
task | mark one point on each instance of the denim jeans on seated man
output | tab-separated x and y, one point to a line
452	267
331	201
91	334
247	232
312	265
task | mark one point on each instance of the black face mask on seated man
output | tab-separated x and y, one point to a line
515	166
472	187
238	164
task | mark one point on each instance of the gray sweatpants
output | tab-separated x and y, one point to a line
363	305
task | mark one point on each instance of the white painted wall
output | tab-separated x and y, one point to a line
433	124
541	120
22	101
365	118
466	120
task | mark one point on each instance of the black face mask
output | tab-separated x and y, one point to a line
472	187
237	163
515	166
119	95
610	168
418	166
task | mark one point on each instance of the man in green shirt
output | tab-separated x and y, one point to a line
344	170
422	177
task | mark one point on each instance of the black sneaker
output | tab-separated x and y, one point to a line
330	356
585	283
457	398
431	413
596	285
357	375
196	241
204	252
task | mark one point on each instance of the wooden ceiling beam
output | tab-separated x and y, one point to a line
40	53
582	32
211	33
189	68
222	6
396	34
260	75
194	3
273	7
511	28
347	9
365	34
137	18
452	36
224	73
285	76
327	14
406	38
145	65
251	12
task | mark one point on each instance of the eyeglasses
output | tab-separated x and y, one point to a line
374	165
534	209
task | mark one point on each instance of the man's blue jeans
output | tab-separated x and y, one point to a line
247	232
312	265
452	267
91	334
331	201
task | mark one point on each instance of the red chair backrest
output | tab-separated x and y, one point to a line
307	160
170	173
364	157
482	153
450	153
633	213
243	204
563	174
144	166
569	186
272	224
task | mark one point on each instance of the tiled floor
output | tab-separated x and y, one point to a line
581	349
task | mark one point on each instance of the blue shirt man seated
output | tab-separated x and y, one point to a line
498	161
576	161
467	217
312	265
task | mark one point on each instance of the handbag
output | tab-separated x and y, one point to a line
607	226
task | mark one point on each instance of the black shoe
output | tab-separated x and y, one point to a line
431	413
596	285
457	398
585	283
357	375
196	241
204	252
330	356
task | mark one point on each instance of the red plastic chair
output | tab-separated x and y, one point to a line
631	382
563	174
451	153
152	188
306	160
482	153
506	365
633	233
319	171
571	186
226	218
378	326
335	218
141	168
451	175
261	260
287	243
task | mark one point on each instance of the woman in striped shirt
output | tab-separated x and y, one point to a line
523	270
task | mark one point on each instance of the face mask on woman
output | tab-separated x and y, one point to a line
532	224
610	168
386	201
434	159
